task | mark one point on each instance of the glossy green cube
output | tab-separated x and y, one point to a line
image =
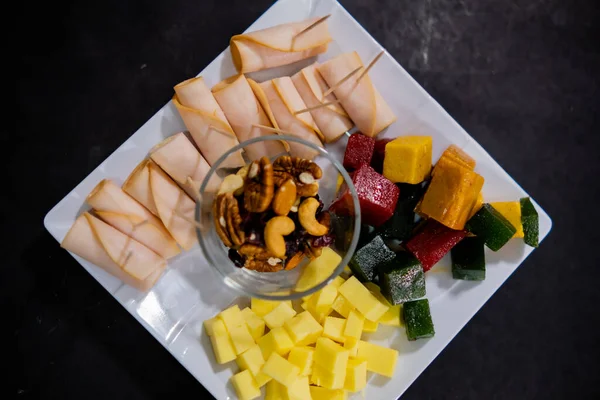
402	279
491	226
365	261
468	259
417	319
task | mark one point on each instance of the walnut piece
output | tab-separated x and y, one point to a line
304	172
227	219
259	259
259	187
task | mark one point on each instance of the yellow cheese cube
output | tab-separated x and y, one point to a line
310	307
324	298
231	317
299	390
354	325
351	344
263	307
330	355
281	370
373	287
334	329
215	327
223	348
302	357
511	210
362	299
337	282
275	391
338	183
381	360
279	315
370	326
356	375
321	393
276	341
252	360
408	159
341	306
256	325
392	316
318	269
245	386
331	380
262	379
303	329
241	338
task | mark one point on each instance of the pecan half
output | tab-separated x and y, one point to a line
227	219
259	186
304	172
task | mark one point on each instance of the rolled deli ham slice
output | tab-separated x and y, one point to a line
276	46
331	120
242	109
283	100
178	157
124	213
151	186
118	254
363	103
206	122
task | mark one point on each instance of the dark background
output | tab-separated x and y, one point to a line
521	76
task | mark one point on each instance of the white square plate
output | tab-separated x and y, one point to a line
189	292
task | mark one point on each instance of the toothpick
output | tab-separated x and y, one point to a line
193	185
124	263
188	219
340	83
377	57
271	129
308	28
316	107
221	131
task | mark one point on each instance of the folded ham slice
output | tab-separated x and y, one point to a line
361	100
118	254
206	122
282	99
237	100
178	157
120	210
276	46
152	187
332	120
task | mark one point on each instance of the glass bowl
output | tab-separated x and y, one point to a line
279	285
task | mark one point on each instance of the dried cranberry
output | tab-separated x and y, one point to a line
323	241
236	258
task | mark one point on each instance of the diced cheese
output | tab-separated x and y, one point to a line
330	355
310	307
231	317
354	325
331	380
334	329
356	375
302	357
321	393
256	325
223	348
262	379
351	344
392	316
215	327
299	390
337	282
275	391
281	370
241	338
277	340
318	269
252	360
381	360
263	307
370	326
303	329
245	386
341	306
362	299
324	298
277	317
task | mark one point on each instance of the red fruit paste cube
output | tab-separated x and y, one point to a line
379	154
432	242
377	196
358	151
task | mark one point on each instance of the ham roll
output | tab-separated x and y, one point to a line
276	46
178	157
121	211
361	100
332	120
237	100
206	122
118	254
282	99
153	188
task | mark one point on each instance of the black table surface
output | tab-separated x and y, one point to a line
521	76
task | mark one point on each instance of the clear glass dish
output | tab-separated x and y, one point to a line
278	285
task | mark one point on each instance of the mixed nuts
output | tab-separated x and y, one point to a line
270	216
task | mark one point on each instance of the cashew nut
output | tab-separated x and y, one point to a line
307	218
232	183
284	198
243	172
275	230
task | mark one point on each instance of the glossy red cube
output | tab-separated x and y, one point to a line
432	242
377	196
358	151
379	154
